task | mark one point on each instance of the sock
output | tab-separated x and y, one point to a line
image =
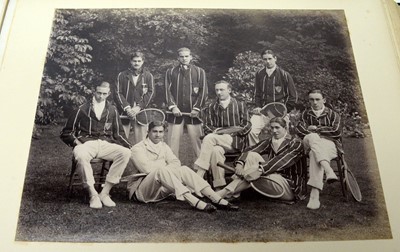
193	201
106	189
213	196
92	191
314	193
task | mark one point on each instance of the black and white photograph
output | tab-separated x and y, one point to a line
214	125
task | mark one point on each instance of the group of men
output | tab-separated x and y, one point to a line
95	130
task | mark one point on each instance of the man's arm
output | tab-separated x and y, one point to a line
171	159
335	129
244	119
285	159
302	127
118	131
141	162
68	132
203	90
208	122
292	93
148	96
168	95
120	89
258	90
261	148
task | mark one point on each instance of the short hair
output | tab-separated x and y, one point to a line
223	82
278	120
316	91
267	51
184	49
104	84
154	124
137	54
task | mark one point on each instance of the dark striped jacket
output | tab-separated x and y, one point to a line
235	114
128	94
279	87
84	126
329	125
186	89
287	161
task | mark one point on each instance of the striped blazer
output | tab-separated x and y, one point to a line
235	114
127	94
329	125
288	161
279	87
84	126
187	90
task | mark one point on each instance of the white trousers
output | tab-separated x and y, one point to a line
85	152
320	149
175	132
213	148
258	123
139	132
162	182
253	160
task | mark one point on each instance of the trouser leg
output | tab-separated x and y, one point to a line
83	153
119	155
139	133
189	178
194	132
175	131
218	173
127	128
258	123
207	148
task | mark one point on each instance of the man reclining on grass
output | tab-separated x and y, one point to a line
95	131
282	176
165	176
321	129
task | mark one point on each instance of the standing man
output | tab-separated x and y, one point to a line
225	112
272	84
186	91
95	131
321	129
134	91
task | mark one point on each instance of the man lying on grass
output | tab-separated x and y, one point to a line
95	131
165	176
282	176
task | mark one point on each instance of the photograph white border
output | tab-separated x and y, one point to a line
20	77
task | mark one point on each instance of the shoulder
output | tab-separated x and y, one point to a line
139	146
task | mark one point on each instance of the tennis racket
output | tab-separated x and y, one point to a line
351	182
230	130
186	114
146	116
274	109
264	185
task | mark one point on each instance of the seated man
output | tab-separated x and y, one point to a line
320	128
95	131
225	112
165	175
283	165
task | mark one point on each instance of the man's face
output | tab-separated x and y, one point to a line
137	63
269	60
316	101
222	91
184	57
156	134
277	130
101	93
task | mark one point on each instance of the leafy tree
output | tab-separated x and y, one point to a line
67	79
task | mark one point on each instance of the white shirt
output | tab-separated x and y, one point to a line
135	78
318	112
98	108
270	71
277	142
225	103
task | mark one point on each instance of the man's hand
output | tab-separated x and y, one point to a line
176	111
252	174
239	170
312	128
77	142
256	111
194	113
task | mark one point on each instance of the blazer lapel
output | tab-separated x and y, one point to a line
284	143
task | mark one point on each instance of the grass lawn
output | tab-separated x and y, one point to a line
47	215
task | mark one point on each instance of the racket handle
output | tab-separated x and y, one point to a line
226	167
183	113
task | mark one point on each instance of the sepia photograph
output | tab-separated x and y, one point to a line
179	67
206	125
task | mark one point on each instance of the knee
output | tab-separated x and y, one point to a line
209	139
123	154
80	154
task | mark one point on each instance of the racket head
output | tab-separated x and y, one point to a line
274	109
268	187
146	116
230	130
352	184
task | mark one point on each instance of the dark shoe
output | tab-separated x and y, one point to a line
209	207
228	207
